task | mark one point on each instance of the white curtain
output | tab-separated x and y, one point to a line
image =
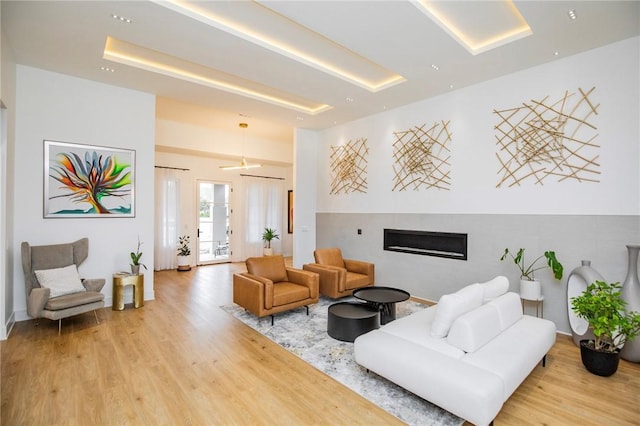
167	219
263	201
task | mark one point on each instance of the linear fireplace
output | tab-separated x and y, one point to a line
439	244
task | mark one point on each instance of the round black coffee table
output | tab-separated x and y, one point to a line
384	299
347	320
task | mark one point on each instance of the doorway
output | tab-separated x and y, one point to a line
213	223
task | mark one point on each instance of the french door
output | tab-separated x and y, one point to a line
213	223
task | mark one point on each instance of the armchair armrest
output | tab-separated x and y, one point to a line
37	300
253	290
93	284
330	276
360	267
305	278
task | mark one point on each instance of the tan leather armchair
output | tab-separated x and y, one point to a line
338	276
39	302
269	287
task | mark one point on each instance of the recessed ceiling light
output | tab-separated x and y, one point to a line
451	86
121	18
349	99
572	15
435	67
299	118
556	53
107	69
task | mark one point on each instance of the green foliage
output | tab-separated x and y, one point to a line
268	235
527	271
137	255
183	246
602	306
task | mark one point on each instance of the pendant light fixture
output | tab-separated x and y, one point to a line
243	164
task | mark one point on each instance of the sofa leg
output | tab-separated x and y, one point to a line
544	361
96	315
59	325
272	320
307	306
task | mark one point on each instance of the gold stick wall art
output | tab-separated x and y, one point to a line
421	157
546	138
349	167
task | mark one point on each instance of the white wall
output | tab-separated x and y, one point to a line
585	220
613	70
63	108
305	171
207	168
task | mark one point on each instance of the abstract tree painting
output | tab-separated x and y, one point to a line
88	181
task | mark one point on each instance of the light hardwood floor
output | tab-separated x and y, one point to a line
180	360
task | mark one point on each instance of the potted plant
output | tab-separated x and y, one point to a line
530	288
602	306
183	253
135	260
268	235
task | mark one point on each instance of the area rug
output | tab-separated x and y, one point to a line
306	337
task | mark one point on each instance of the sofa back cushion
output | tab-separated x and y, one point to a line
329	256
451	306
271	267
494	288
473	330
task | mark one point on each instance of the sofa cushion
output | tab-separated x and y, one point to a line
73	300
61	281
494	288
471	331
451	306
412	328
270	267
476	328
509	308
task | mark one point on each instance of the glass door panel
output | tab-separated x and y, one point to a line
213	223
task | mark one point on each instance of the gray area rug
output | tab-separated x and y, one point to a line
306	337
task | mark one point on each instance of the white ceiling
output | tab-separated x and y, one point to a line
377	37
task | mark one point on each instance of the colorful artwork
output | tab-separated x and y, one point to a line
88	181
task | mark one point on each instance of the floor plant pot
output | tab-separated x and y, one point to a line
597	362
267	251
183	263
530	290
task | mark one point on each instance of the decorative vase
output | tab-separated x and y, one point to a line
597	362
135	269
577	283
530	290
631	295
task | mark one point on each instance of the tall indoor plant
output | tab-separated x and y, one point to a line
268	235
602	306
530	288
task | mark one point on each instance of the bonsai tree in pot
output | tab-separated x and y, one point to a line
183	253
268	235
136	260
602	306
530	288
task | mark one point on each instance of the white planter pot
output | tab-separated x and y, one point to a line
183	263
530	290
267	251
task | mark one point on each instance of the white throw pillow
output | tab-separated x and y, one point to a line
494	288
61	281
451	306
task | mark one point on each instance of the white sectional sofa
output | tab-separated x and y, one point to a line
467	354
